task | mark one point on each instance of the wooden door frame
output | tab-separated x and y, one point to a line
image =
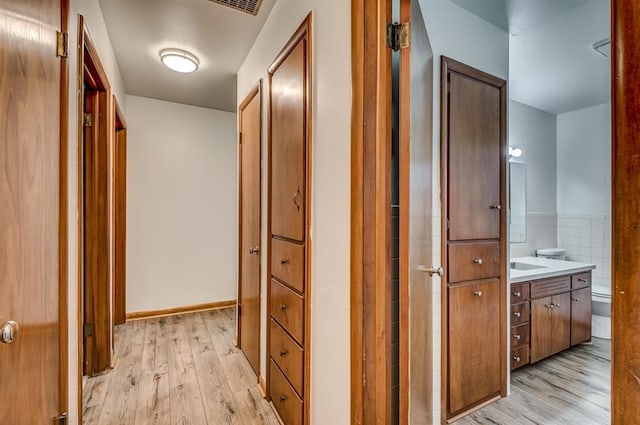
119	246
256	90
87	56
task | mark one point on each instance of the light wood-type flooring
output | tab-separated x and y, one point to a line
179	370
571	388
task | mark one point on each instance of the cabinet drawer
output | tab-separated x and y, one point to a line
287	308
288	356
581	280
473	261
520	313
287	263
520	335
519	357
284	398
546	287
519	292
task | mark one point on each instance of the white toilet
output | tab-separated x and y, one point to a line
551	253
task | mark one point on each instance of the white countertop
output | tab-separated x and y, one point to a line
548	268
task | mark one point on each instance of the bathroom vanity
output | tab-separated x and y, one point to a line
550	307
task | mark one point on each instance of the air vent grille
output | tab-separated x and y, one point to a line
248	6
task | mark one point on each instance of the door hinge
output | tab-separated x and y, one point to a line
87	330
398	36
448	87
448	224
62	44
87	120
240	138
61	420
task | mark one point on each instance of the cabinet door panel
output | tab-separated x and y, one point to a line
474	344
561	323
288	145
541	328
580	316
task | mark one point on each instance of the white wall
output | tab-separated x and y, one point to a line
94	21
181	205
458	34
535	132
331	153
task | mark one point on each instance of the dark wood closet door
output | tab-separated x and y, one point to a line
541	328
580	316
288	145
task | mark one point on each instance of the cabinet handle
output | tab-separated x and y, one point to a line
517	336
517	359
556	305
517	294
478	261
549	306
283	353
575	300
295	199
583	280
283	398
478	293
284	262
517	314
283	307
496	207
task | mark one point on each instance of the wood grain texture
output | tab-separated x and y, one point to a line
174	371
287	263
287	307
288	355
570	388
473	260
580	315
625	238
249	231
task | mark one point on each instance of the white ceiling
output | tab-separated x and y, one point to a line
552	64
218	35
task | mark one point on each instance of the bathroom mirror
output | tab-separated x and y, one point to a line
518	202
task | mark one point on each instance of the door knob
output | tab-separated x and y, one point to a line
496	207
478	293
431	270
478	261
254	250
9	332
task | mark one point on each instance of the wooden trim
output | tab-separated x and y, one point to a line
304	31
174	311
370	213
64	217
119	210
262	386
256	90
625	238
473	409
450	65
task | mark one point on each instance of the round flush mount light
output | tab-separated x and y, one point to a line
179	60
515	152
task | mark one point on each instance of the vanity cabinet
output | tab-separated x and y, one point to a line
548	316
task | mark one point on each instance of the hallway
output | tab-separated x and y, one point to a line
177	370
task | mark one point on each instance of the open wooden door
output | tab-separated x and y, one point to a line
416	221
250	125
120	217
32	233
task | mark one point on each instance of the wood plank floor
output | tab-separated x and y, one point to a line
179	370
571	388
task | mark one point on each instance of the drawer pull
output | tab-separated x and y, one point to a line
295	199
496	207
283	398
478	293
517	314
517	336
478	261
517	294
284	262
517	359
283	307
575	300
549	306
583	280
556	306
283	353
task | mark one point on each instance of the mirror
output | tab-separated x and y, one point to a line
518	202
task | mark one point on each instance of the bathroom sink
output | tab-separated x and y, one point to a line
516	265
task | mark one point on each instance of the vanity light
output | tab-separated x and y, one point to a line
515	152
179	60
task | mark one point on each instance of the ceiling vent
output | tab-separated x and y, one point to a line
248	6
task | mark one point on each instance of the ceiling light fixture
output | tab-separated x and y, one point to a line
179	60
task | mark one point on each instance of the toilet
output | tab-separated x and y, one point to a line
551	253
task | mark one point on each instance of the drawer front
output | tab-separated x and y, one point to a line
520	335
288	356
581	280
287	263
546	287
284	398
519	357
473	261
520	313
287	308
519	292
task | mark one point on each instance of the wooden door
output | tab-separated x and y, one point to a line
541	328
250	215
288	135
30	195
416	286
580	316
474	334
561	323
120	219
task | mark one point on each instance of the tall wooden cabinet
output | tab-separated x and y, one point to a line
474	238
289	200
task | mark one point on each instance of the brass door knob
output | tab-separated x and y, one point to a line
254	250
9	332
431	270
